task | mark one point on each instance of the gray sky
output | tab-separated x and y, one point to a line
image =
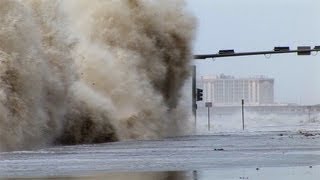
250	25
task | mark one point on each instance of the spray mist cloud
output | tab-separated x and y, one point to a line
80	71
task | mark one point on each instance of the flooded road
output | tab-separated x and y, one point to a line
208	154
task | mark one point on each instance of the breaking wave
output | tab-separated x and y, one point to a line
80	71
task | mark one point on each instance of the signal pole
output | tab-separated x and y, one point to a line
194	95
301	50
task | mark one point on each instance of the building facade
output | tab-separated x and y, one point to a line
228	90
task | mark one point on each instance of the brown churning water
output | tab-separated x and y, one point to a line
91	71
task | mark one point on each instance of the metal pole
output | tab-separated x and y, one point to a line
206	56
242	102
195	175
309	113
208	118
194	95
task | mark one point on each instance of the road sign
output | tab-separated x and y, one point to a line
208	104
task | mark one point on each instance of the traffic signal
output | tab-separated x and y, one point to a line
199	94
304	50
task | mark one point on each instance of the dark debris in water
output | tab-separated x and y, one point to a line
219	149
309	134
244	178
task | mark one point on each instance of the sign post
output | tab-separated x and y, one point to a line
242	103
208	105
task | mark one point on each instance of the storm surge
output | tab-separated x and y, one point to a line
80	71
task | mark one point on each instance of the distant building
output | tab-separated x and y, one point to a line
228	90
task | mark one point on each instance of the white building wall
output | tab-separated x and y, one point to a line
230	91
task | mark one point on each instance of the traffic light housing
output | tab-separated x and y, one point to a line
304	50
199	94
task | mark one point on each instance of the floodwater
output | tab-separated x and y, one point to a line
216	156
270	173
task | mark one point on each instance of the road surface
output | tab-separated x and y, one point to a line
199	152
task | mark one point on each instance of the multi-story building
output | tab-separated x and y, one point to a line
228	90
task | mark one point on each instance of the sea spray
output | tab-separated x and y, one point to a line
34	81
79	71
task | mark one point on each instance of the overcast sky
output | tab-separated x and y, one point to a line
254	25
